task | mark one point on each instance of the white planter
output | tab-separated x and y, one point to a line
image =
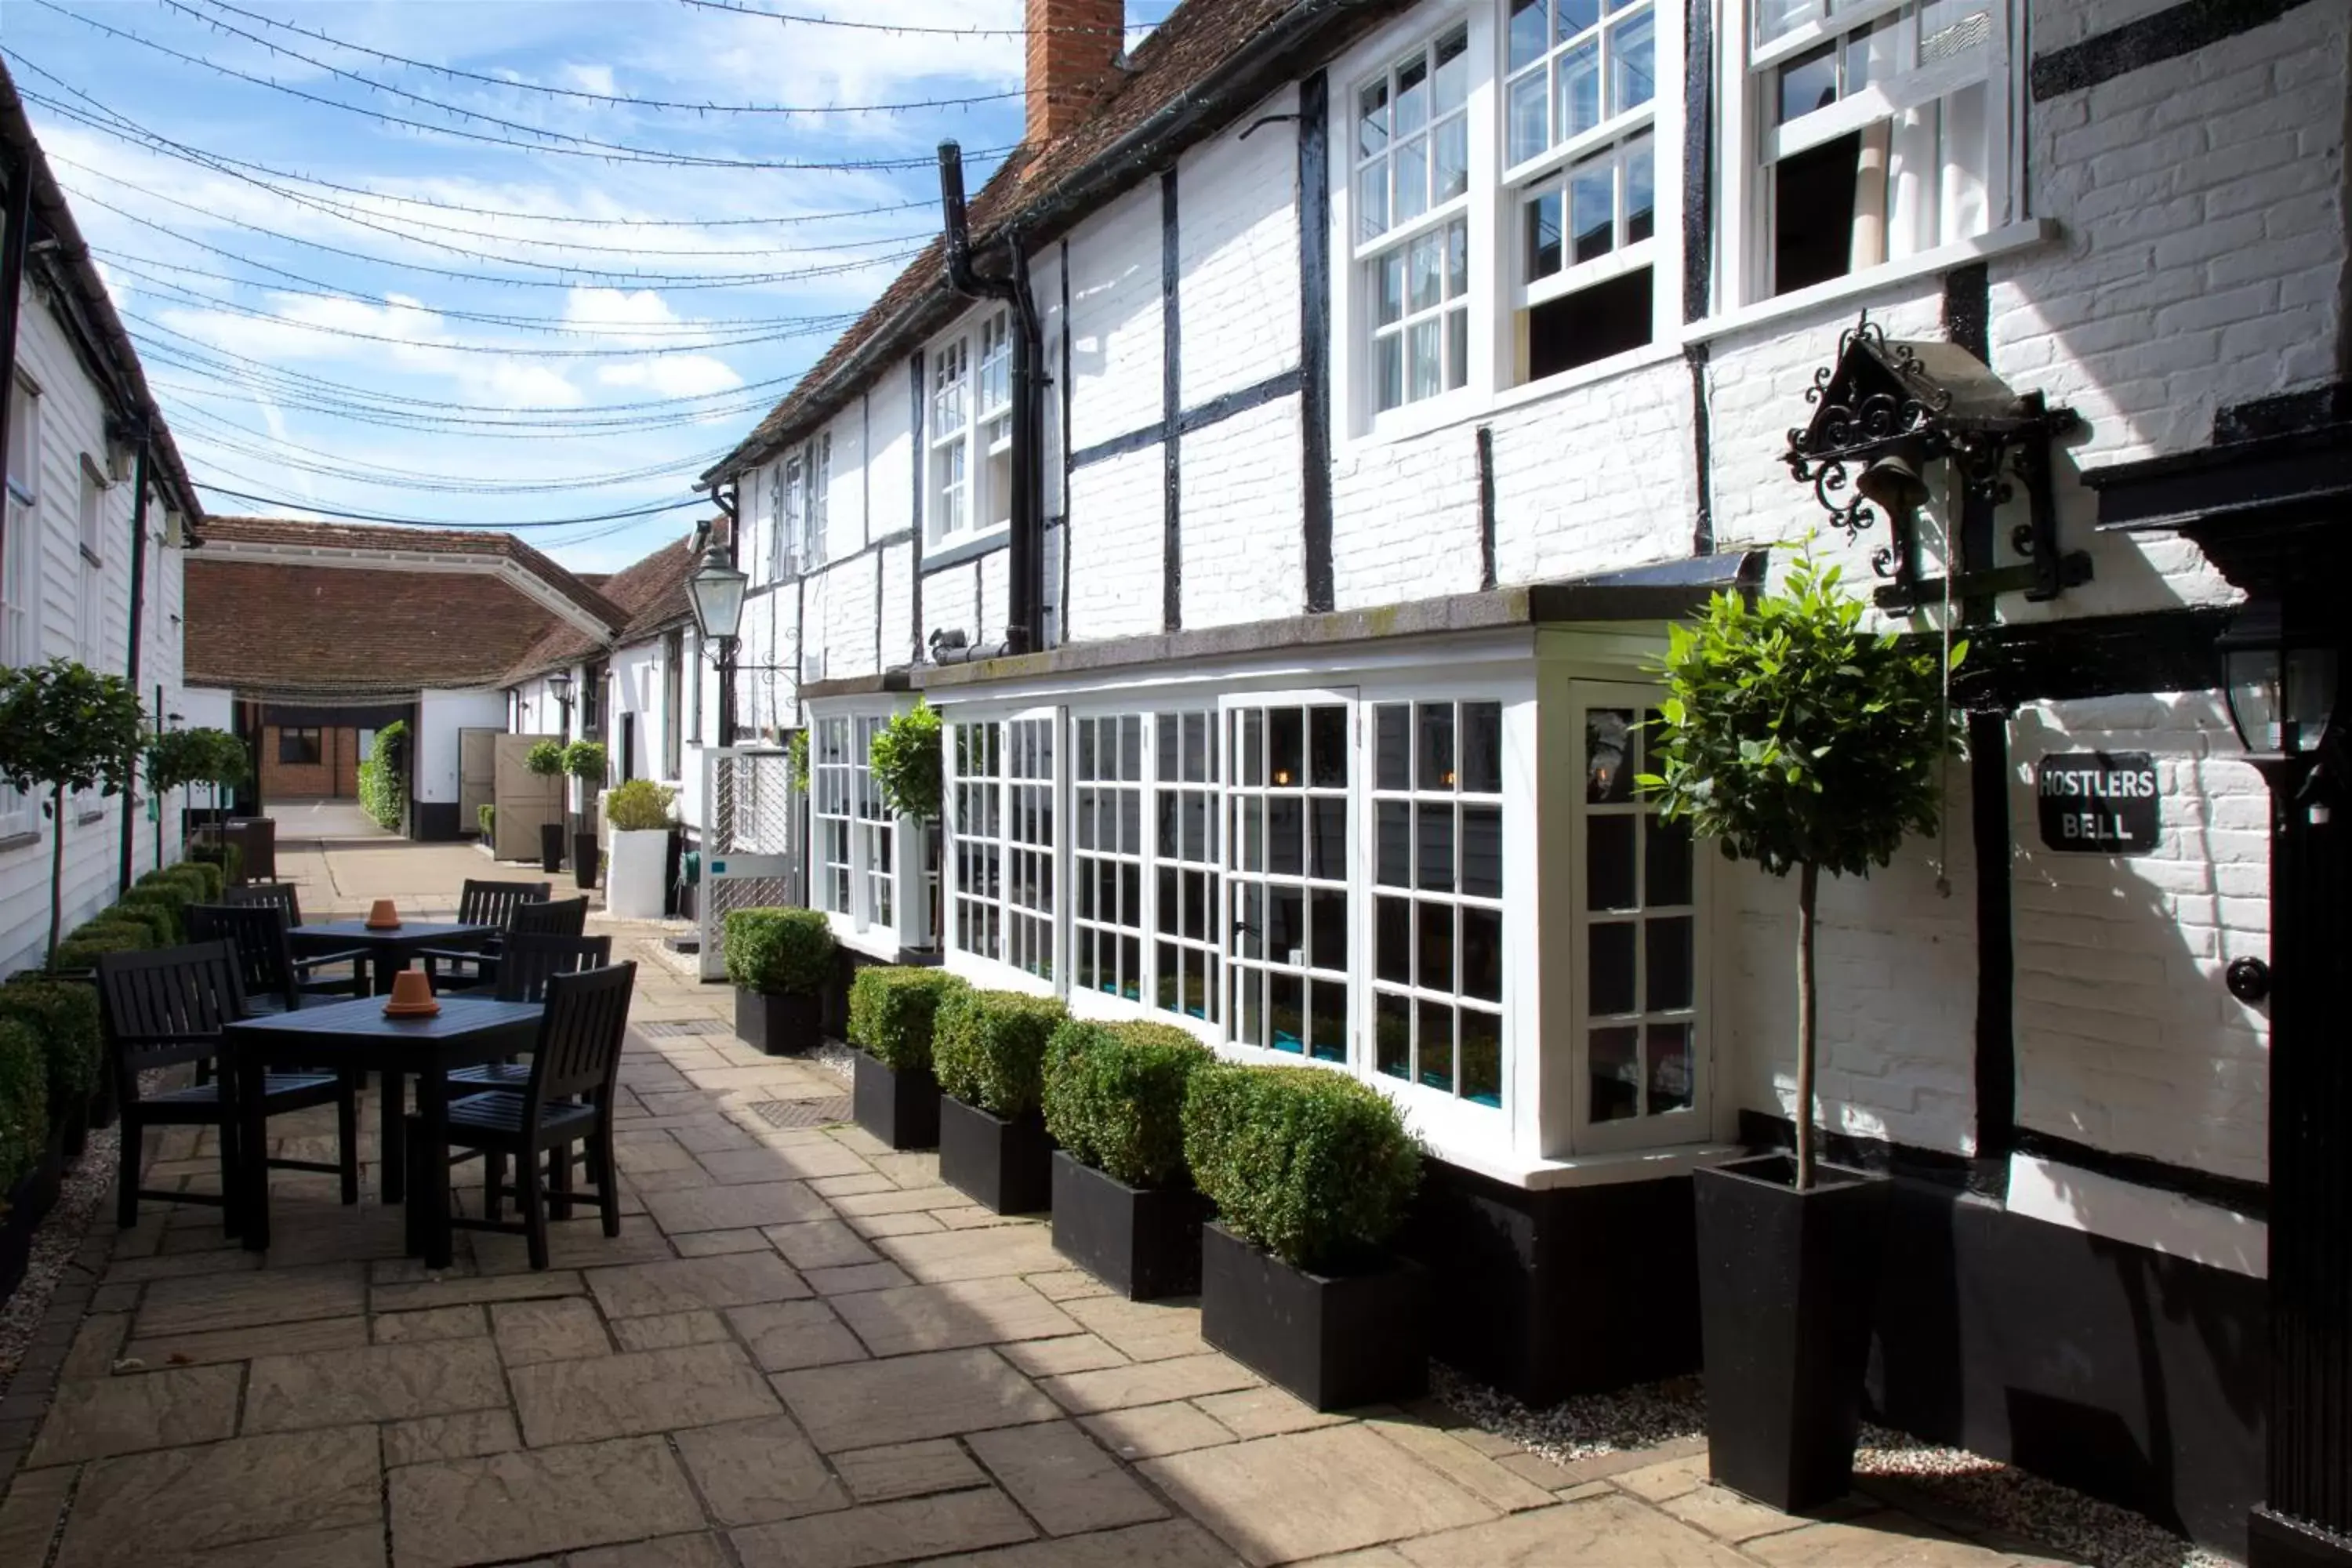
632	882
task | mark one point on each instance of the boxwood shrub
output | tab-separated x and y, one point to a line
24	1102
162	926
892	1011
1115	1097
79	952
64	1014
987	1048
1312	1165
171	896
779	950
209	873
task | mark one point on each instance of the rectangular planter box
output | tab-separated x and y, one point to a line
30	1202
1337	1341
1006	1166
781	1024
1143	1242
902	1109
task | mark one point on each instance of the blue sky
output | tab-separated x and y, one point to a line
350	315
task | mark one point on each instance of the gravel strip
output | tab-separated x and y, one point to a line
79	1197
1989	1494
834	1057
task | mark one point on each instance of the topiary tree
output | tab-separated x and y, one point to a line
779	950
64	728
181	759
1798	739
905	758
545	758
585	760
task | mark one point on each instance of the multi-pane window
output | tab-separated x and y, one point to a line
971	429
838	780
994	418
299	747
1287	866
93	585
1003	788
1412	187
1107	854
1879	129
1187	931
20	630
876	828
950	437
979	801
1574	66
1637	931
1437	967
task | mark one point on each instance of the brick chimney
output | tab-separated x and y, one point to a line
1074	48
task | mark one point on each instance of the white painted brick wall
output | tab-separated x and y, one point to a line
2127	1038
1598	479
951	602
1117	522
841	613
1244	558
1405	520
995	571
1046	289
1237	234
899	639
890	462
1115	347
771	636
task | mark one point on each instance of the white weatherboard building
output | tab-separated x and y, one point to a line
1399	372
90	567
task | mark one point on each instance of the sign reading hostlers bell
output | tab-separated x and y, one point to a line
2098	803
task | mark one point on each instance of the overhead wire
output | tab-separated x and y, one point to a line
911	30
348	515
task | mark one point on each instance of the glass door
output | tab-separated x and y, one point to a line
1289	804
1638	973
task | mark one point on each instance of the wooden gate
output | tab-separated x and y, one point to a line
523	798
477	775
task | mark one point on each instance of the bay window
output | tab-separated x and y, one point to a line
1002	787
854	833
970	435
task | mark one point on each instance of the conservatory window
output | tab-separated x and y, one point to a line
1412	185
838	780
1186	936
1287	856
1107	850
876	828
1880	131
1002	790
1437	967
979	802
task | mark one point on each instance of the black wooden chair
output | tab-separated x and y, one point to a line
575	1067
275	981
482	903
282	894
479	970
165	1007
524	969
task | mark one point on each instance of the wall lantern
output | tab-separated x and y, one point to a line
559	683
2281	687
1884	413
718	590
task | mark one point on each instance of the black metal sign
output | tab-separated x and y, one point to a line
2099	802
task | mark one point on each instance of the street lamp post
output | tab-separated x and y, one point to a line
717	591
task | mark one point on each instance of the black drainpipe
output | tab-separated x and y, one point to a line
1025	622
138	614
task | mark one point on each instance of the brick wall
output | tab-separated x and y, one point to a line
335	776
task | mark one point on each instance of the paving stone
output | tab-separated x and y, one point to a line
1143	1330
713	1133
761	1163
1884	1540
434	1323
1171	1543
711	1243
907	1469
1458	1462
577	1243
1147	1382
1656	1482
96	1343
949	1316
971	1216
885	1533
875	1227
360	1546
821	1244
451	1290
668	1331
901	1199
1063	1477
642	1391
669	1552
785	1336
730	1280
842	1186
538	1501
376	1383
1307	1494
460	1436
531	1332
1067	1285
216	1497
1615	1530
1025	1248
753	1472
1263	1412
1725	1515
228	1260
866	1403
243	1345
1071	1352
102	1417
30	1512
1150	1430
731	1208
208	1302
878	1276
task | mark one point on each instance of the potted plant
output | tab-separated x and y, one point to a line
486	824
584	761
779	960
1802	742
1311	1173
64	728
893	1014
987	1050
908	766
545	760
638	813
1125	1208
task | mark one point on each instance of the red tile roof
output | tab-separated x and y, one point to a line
652	592
290	533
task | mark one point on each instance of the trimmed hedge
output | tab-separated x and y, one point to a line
161	925
787	952
81	951
224	857
1312	1165
24	1102
64	1013
987	1048
211	880
893	1010
172	896
1115	1097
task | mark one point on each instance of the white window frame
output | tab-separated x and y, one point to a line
1371	253
1000	812
1109	855
887	910
1748	140
968	419
89	535
20	572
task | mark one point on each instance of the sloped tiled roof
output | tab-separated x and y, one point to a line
290	533
651	593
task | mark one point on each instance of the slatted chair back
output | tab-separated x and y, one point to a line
282	894
556	917
579	1047
494	903
257	933
166	1007
529	960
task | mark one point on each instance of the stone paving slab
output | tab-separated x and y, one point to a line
885	1533
637	1391
204	1499
538	1500
897	1401
378	1382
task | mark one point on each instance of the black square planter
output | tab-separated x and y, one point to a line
1337	1341
1005	1166
1143	1242
1786	1283
783	1023
900	1107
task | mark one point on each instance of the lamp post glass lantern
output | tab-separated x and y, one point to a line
2281	688
718	590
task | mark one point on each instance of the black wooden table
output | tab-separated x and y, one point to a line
388	952
467	1032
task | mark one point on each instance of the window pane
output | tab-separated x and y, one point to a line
1391	373
1670	1068
1641	192
1251	814
1452	79
1482	747
1326	942
1196	747
1426	281
1616	1068
1196	907
1327	750
1608	862
1666	863
1249	992
1196	845
1422	362
1169	806
1410	162
1579	88
1372	201
1393	921
1808	82
1527	39
1457	350
1458	258
1482	1057
1372	119
1395	868
1392	300
1393	1034
1436	1045
1543	236
1130	749
1482	851
1450	159
1774	17
1327	1022
1529	128
1286	736
1392	735
1610	961
1670	963
1436	729
1288	1012
1285	828
1632	69
1411	95
1574	17
1434	946
1286	932
1592	208
1608	743
1435	858
1327	839
1482	954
